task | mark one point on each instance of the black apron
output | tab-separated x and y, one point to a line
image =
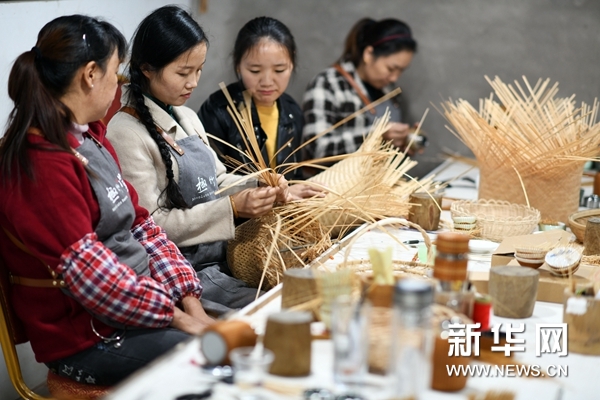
221	292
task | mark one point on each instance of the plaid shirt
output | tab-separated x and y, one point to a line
329	98
97	280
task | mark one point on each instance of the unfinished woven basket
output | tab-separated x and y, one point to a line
247	253
498	219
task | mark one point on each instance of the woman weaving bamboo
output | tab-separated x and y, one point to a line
376	53
164	152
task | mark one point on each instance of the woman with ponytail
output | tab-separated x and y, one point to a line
376	53
164	151
99	287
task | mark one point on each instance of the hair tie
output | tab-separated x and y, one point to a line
37	51
392	37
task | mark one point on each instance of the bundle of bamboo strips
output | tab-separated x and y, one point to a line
530	144
363	187
370	184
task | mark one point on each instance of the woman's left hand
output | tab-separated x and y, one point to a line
305	191
193	308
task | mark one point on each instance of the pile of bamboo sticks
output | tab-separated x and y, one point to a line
530	144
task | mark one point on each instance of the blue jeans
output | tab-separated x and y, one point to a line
108	363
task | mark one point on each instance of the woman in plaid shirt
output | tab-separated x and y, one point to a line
375	55
100	289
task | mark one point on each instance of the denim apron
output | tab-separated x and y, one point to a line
198	183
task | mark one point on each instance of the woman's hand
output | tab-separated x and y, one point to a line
304	191
193	307
186	323
284	195
397	134
252	203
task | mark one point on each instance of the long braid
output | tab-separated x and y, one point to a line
171	195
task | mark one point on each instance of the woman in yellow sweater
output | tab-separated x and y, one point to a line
264	57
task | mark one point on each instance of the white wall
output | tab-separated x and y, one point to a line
20	22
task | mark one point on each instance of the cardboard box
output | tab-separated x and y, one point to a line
505	253
550	288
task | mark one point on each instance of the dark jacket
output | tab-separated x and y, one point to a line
218	122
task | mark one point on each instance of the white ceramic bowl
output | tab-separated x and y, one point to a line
563	261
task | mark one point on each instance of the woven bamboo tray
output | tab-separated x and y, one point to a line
497	219
578	221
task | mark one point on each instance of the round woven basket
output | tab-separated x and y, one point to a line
497	219
578	221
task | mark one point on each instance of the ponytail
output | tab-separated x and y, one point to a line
387	36
41	76
353	45
34	106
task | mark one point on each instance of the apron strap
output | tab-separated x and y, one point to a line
131	111
354	85
56	282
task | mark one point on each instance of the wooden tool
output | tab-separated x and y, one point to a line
219	339
425	210
288	336
513	291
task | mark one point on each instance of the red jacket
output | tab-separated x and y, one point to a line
49	214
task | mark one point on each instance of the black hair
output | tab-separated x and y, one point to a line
160	38
387	36
41	76
257	29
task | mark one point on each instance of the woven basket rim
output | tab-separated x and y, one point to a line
582	214
578	228
476	208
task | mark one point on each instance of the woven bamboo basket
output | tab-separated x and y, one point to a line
498	219
578	221
247	253
556	196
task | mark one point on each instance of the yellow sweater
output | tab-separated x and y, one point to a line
269	118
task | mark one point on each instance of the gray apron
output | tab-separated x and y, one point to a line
116	212
198	184
221	292
116	209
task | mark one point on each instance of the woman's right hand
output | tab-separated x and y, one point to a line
255	202
397	134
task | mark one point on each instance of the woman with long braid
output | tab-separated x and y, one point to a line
164	153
